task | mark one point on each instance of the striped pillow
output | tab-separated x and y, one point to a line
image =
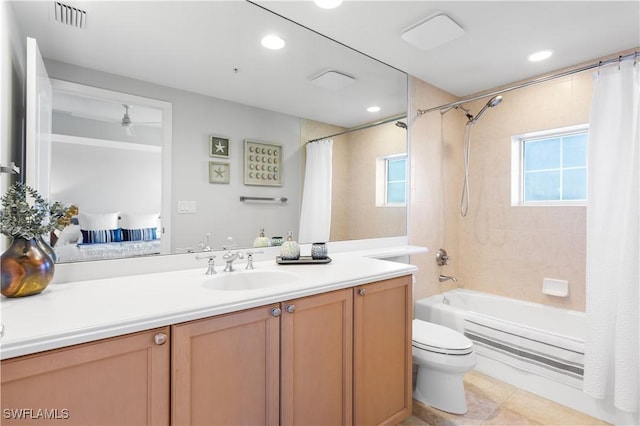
142	234
101	236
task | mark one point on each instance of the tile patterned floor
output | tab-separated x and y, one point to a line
492	402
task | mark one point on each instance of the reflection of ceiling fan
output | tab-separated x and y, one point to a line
128	124
126	120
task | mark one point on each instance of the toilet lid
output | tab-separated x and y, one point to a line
437	338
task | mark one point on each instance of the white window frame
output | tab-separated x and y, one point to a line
517	165
381	180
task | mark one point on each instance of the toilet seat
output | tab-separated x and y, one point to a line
439	339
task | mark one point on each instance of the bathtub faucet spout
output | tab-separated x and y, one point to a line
443	278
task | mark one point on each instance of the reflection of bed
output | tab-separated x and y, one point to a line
108	236
117	250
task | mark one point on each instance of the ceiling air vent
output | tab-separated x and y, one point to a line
69	15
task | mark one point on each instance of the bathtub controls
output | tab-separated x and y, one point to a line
276	312
442	258
362	291
290	308
160	338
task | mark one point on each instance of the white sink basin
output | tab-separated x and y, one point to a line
256	279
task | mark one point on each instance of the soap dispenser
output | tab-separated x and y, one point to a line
261	240
290	250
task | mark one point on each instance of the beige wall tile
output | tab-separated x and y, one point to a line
497	248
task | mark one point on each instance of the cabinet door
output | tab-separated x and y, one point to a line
317	359
382	352
226	370
118	381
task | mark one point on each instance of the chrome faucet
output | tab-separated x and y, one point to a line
229	257
205	247
443	278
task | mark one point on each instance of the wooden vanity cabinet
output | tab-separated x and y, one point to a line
117	381
382	352
226	369
336	358
288	363
317	360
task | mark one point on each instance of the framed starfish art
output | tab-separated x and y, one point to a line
218	172
218	147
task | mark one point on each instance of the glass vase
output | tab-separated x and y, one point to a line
26	268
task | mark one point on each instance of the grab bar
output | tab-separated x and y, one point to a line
275	200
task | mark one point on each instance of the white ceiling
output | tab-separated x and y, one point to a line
499	36
196	46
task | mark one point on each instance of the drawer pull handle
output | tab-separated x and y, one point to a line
362	291
291	308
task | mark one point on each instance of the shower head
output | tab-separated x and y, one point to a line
492	102
401	124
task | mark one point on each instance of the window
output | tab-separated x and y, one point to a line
391	180
550	168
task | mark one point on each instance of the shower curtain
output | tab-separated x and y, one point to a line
613	235
315	214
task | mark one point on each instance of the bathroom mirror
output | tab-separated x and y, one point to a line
244	93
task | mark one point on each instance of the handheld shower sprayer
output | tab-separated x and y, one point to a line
492	102
464	199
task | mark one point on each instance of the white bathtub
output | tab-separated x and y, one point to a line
531	346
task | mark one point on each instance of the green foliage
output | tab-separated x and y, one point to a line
25	214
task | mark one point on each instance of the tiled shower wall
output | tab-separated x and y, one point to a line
498	248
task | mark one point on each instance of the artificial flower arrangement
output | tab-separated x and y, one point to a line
24	213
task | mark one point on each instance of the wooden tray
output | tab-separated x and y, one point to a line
304	260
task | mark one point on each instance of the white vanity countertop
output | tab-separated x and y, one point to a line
84	311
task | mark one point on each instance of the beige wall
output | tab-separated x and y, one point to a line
436	178
497	248
354	214
363	148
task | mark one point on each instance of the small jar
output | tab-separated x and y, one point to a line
277	241
319	251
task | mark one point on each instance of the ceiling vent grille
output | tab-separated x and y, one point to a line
69	15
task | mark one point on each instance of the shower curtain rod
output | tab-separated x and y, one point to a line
634	56
361	127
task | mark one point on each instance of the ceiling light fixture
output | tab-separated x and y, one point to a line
432	32
373	109
334	80
541	55
273	42
328	4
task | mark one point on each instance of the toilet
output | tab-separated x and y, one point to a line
443	356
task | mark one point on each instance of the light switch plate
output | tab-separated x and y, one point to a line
186	207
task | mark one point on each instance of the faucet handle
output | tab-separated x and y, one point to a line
250	254
230	244
211	264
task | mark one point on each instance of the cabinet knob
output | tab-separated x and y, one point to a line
276	312
160	338
362	291
290	308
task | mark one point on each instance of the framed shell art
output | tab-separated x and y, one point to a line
219	172
262	163
218	147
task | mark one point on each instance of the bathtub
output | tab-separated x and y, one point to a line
534	347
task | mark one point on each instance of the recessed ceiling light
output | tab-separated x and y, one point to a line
328	4
541	55
273	42
373	109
